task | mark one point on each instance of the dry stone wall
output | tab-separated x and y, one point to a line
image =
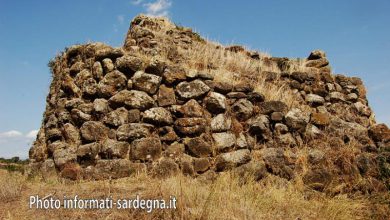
110	113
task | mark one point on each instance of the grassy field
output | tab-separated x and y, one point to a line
223	197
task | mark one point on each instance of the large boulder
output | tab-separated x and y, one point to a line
146	82
132	99
93	131
158	115
166	96
193	89
129	64
232	159
221	123
297	119
272	106
191	109
243	109
117	117
224	141
199	146
314	99
115	149
190	126
128	132
215	102
146	149
112	83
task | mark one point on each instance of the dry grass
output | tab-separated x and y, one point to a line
224	198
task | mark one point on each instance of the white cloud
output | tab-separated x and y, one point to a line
136	2
11	134
120	19
158	8
15	143
32	134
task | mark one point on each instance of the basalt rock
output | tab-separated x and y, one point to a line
113	111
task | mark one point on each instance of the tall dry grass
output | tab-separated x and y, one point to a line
226	197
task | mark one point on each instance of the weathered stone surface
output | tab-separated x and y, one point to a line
82	76
156	66
236	95
89	87
112	83
146	149
312	131
303	76
296	119
166	96
314	99
191	109
79	116
286	139
316	54
194	89
199	146
223	87
129	64
272	106
112	149
174	74
175	150
134	116
133	131
108	52
146	82
167	134
88	151
320	119
116	168
318	63
201	165
93	131
241	141
380	133
97	70
337	96
117	117
72	134
280	128
192	74
190	126
221	123
76	68
165	167
132	99
362	109
255	97
259	125
64	156
224	141
316	156
158	115
232	159
108	66
243	109
215	102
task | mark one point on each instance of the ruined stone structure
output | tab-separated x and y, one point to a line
112	112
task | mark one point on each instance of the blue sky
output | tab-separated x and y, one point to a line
354	33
